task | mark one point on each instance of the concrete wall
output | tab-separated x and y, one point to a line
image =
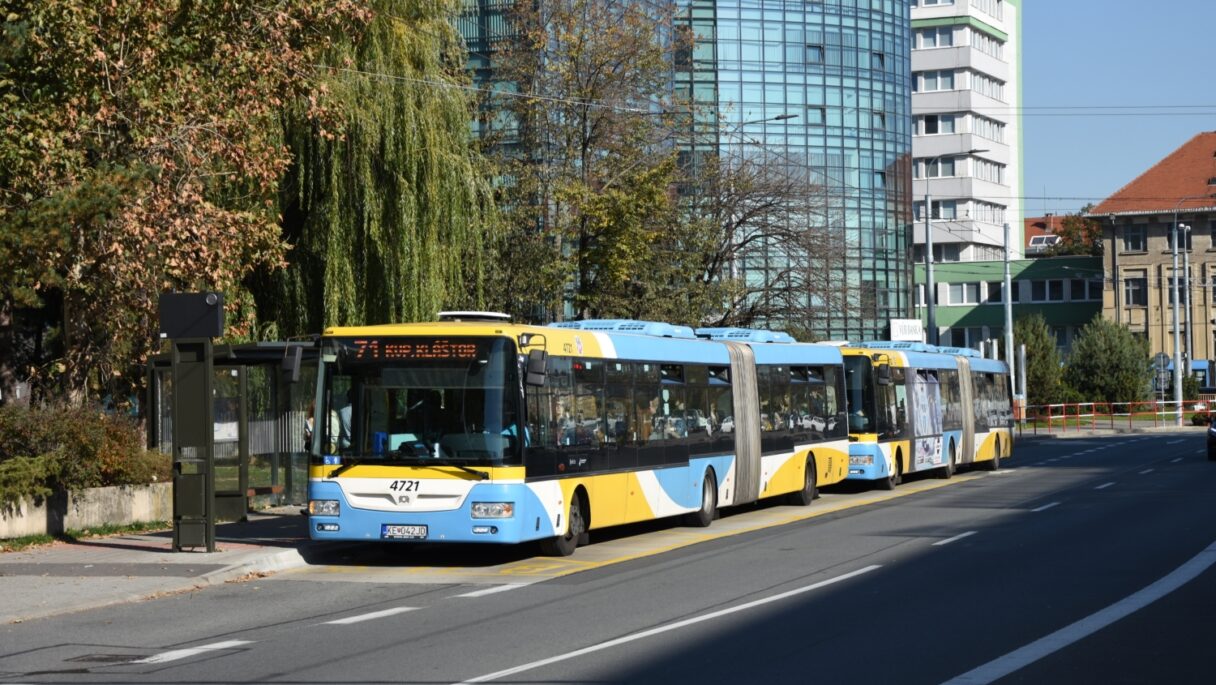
118	505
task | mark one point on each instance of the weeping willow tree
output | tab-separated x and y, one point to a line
388	207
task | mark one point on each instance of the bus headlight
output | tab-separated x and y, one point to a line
866	460
493	510
323	507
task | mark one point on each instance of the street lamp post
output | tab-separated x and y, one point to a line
1188	350
1177	346
1013	373
1178	371
930	295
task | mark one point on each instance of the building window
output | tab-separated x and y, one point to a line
1135	238
936	124
964	293
1085	290
939	37
995	289
942	209
814	54
1135	291
941	167
878	61
930	81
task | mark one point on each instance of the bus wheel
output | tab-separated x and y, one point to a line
995	462
709	503
810	487
895	477
564	545
948	470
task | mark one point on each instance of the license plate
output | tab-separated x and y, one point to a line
396	532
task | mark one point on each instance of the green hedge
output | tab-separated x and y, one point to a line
43	451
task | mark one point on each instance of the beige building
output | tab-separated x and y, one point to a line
1139	221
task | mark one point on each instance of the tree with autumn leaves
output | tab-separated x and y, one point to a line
141	153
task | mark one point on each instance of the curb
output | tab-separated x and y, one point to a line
283	560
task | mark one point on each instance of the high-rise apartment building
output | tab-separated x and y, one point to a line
967	137
823	90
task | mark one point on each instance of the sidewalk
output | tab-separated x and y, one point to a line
67	577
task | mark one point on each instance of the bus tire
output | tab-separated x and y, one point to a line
947	471
895	477
576	531
810	486
704	516
994	463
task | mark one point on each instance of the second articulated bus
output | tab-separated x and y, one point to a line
916	407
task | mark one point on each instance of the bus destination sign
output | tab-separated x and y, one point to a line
404	349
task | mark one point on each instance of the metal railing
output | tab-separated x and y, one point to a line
1083	416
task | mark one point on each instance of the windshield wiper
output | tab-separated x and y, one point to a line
345	465
481	475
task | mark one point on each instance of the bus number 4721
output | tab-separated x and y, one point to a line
404	486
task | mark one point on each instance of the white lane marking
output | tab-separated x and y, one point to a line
1024	656
1146	471
492	590
192	651
956	538
369	617
1174	442
1104	485
667	628
1175	461
1045	507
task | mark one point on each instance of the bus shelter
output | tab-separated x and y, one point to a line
261	395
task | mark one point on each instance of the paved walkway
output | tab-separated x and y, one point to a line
71	576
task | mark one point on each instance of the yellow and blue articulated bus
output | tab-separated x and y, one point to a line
916	407
473	429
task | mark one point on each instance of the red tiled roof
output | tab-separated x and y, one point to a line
1185	173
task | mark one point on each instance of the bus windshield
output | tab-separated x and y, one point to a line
859	387
413	400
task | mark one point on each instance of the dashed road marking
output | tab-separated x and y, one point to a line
369	617
1146	471
177	654
1104	486
1045	507
492	590
956	538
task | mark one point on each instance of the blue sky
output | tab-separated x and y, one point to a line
1126	55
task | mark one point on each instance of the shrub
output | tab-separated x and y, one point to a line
1200	419
56	449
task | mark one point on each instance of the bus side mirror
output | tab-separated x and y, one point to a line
536	367
884	374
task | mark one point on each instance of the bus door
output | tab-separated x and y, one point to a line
926	401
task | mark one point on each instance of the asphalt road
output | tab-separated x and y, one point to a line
1082	561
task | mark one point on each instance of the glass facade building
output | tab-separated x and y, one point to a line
841	68
821	89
